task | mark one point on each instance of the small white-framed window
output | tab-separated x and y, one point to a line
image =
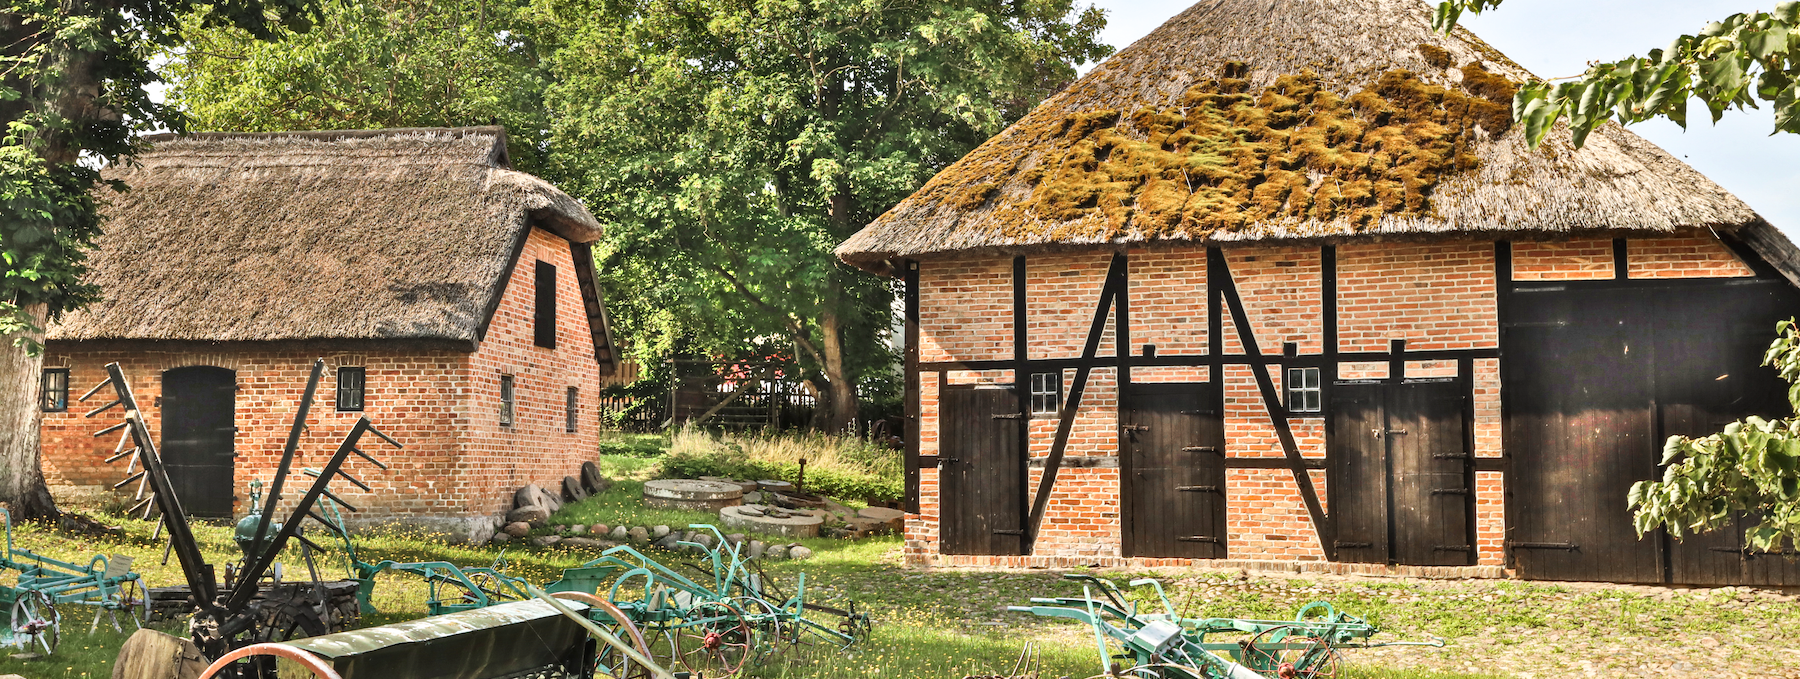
508	404
1304	394
1046	393
55	390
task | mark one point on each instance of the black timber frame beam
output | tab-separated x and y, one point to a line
910	274
1112	291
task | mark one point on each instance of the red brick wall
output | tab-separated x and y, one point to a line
442	404
1434	296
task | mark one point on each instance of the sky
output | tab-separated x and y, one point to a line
1557	38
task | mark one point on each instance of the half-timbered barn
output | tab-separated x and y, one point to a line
1281	285
452	298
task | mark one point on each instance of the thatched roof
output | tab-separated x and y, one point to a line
1317	120
357	235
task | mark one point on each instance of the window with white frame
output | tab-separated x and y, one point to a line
1046	393
1304	394
56	390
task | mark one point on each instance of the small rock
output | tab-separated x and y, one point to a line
580	542
528	514
734	538
776	552
659	531
704	540
753	497
502	538
516	529
667	541
638	534
757	548
527	496
599	529
578	529
545	540
620	533
798	552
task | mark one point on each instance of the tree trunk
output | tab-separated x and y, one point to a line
842	391
22	486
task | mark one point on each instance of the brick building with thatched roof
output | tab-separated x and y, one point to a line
1279	285
452	298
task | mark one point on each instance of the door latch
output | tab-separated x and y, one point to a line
1134	427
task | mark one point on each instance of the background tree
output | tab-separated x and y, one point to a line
727	145
73	87
1752	467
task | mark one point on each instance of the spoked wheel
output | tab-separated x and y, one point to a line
713	640
770	635
34	615
609	661
1277	652
277	620
1153	671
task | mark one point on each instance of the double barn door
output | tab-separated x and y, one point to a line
1399	473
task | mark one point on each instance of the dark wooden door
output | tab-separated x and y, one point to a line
1398	475
1580	430
199	412
981	472
1356	473
1174	472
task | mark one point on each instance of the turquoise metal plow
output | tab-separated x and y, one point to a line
1168	646
106	584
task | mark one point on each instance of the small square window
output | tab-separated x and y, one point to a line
56	390
1046	393
508	404
350	385
1303	390
571	409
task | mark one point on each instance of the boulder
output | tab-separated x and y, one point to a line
527	496
703	539
638	534
572	490
517	529
753	497
545	540
620	533
757	548
659	531
502	538
591	478
667	541
775	552
798	552
735	538
528	514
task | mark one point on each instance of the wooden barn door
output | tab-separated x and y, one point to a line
1175	471
199	413
981	472
1398	475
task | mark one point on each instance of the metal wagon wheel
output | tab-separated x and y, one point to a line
770	634
713	640
35	615
1280	652
609	661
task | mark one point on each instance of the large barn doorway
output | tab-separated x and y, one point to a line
1596	378
1174	472
981	472
199	414
1398	473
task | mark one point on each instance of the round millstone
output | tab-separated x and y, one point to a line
774	485
691	494
794	526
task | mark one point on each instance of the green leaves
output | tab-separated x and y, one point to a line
1752	468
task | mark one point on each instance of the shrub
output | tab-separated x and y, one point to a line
841	467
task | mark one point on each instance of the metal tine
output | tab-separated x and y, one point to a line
104	408
97	387
385	437
371	460
115	457
141	505
124	436
334	527
128	480
342	475
112	429
159	526
140	496
339	500
314	545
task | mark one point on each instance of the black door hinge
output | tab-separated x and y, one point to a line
1449	491
1134	427
1198	489
1010	416
1197	538
1200	449
1340	544
1543	545
1451	548
1009	532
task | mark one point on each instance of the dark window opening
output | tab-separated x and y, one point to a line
572	409
1046	393
507	402
543	330
56	390
1303	390
350	385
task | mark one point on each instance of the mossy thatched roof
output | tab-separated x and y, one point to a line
355	235
1297	120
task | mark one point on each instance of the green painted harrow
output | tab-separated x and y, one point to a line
45	585
1168	646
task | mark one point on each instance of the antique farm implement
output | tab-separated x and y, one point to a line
1168	646
245	610
47	586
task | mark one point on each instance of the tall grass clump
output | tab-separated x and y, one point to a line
845	467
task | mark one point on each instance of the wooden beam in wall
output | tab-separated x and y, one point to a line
1218	270
910	274
1113	289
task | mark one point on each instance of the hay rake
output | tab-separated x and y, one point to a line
1168	646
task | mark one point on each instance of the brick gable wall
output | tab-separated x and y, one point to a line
1434	296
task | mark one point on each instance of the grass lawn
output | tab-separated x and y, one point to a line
948	623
